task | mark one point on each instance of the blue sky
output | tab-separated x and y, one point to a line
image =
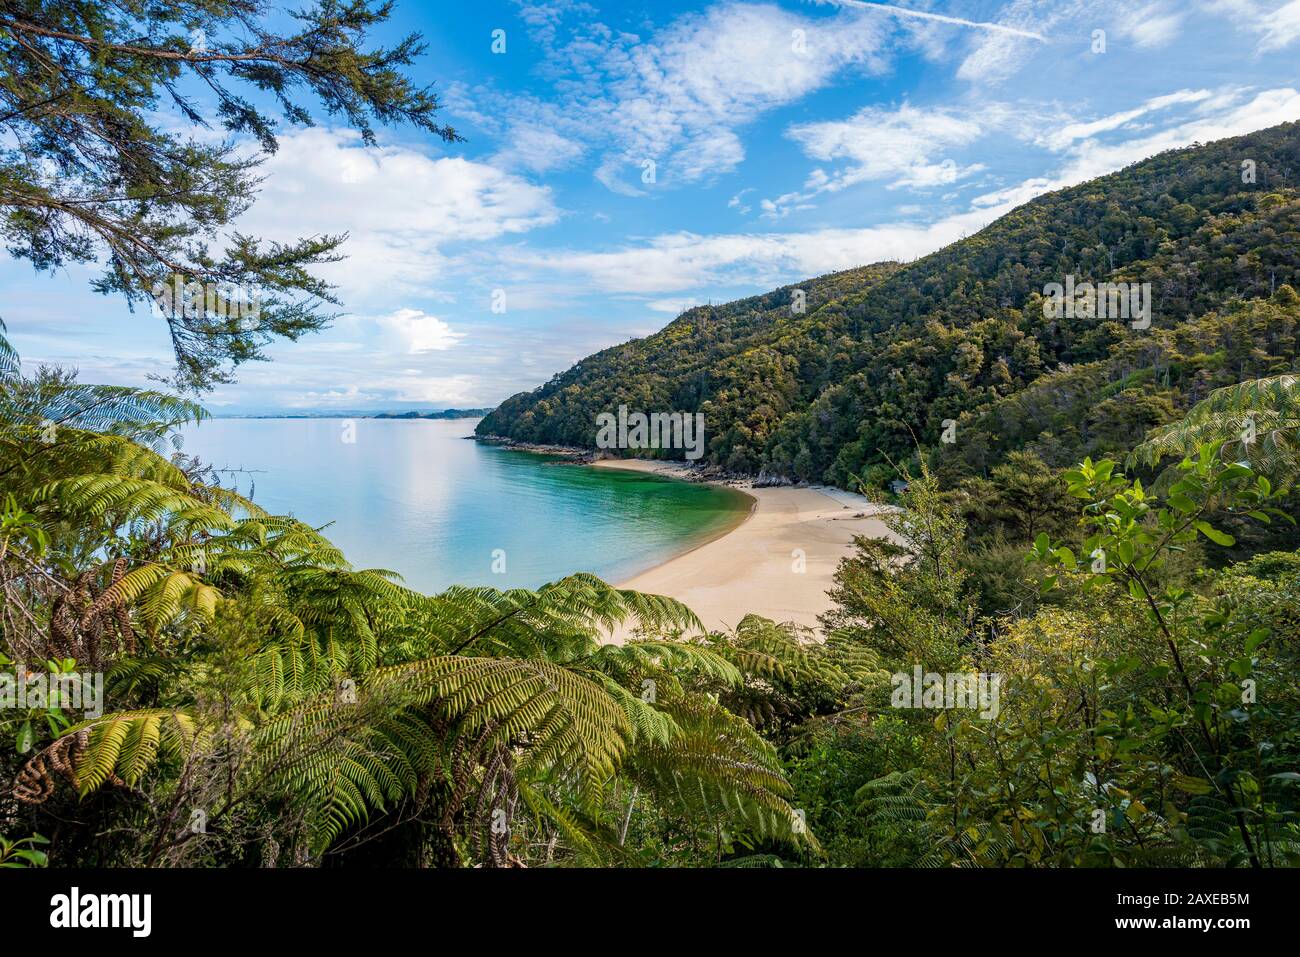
787	140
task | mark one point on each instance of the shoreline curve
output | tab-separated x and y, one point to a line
778	562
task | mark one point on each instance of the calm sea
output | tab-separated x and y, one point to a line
416	497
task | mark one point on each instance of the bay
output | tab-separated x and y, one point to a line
416	497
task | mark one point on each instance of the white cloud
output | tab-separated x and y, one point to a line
679	96
997	55
1092	158
688	88
1151	26
1067	26
349	397
377	377
1281	27
712	151
544	18
419	332
683	261
539	149
1277	27
398	387
402	208
674	307
902	146
1068	134
994	58
450	390
738	203
881	144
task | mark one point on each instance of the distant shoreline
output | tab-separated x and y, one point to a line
437	415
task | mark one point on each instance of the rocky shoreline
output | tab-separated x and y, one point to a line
570	454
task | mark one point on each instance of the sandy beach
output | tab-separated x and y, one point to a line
778	563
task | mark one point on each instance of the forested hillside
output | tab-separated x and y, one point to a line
739	362
888	352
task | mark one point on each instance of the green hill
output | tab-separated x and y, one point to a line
884	354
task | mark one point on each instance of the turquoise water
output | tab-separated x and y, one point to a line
418	498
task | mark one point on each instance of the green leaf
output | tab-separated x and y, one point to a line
1191	785
1214	535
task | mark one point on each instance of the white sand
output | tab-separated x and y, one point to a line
755	566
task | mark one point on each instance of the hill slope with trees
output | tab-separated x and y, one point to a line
882	355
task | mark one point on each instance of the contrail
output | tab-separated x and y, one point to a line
958	21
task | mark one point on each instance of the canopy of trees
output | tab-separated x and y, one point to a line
885	354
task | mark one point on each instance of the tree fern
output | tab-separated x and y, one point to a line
254	668
1258	420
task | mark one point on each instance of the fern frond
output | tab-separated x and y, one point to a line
1257	420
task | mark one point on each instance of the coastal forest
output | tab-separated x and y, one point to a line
1096	511
1111	534
881	356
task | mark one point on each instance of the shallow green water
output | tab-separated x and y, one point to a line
418	498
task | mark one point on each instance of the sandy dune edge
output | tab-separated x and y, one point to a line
754	567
